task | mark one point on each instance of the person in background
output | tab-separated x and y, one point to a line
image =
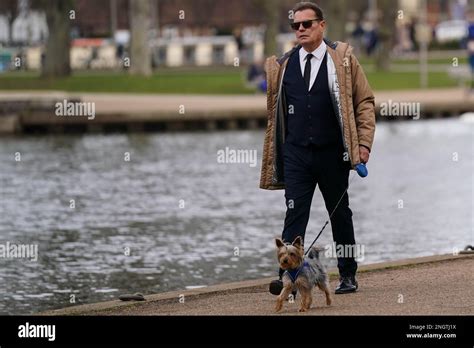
256	76
470	47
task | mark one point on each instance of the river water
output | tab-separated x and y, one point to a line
172	217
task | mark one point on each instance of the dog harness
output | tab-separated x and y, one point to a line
294	273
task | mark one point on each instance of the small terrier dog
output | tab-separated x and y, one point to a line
302	273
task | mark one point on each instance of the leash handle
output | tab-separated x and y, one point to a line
361	169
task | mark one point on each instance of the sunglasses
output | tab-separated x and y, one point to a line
306	24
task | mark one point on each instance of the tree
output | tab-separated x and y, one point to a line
386	30
336	14
140	63
10	9
271	13
59	14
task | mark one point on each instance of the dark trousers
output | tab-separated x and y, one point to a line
304	168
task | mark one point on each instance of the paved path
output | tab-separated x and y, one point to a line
423	286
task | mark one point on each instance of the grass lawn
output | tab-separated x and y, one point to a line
440	61
166	81
189	81
408	80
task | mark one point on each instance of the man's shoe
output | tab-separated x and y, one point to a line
354	281
347	285
275	287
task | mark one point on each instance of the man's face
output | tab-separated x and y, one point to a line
312	35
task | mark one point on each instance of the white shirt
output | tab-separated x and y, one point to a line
318	55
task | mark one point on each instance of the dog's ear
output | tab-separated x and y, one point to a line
297	242
279	243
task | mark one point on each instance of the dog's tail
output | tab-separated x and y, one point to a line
314	252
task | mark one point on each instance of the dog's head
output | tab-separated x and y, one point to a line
290	256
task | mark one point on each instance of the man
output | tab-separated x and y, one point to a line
470	47
321	124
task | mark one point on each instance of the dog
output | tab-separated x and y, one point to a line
301	273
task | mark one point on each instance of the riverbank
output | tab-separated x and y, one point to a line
433	285
33	111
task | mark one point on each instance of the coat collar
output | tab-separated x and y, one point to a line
318	53
285	57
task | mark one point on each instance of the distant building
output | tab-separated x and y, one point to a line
187	32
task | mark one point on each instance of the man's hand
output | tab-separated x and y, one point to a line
364	154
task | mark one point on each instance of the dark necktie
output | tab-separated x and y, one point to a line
307	70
